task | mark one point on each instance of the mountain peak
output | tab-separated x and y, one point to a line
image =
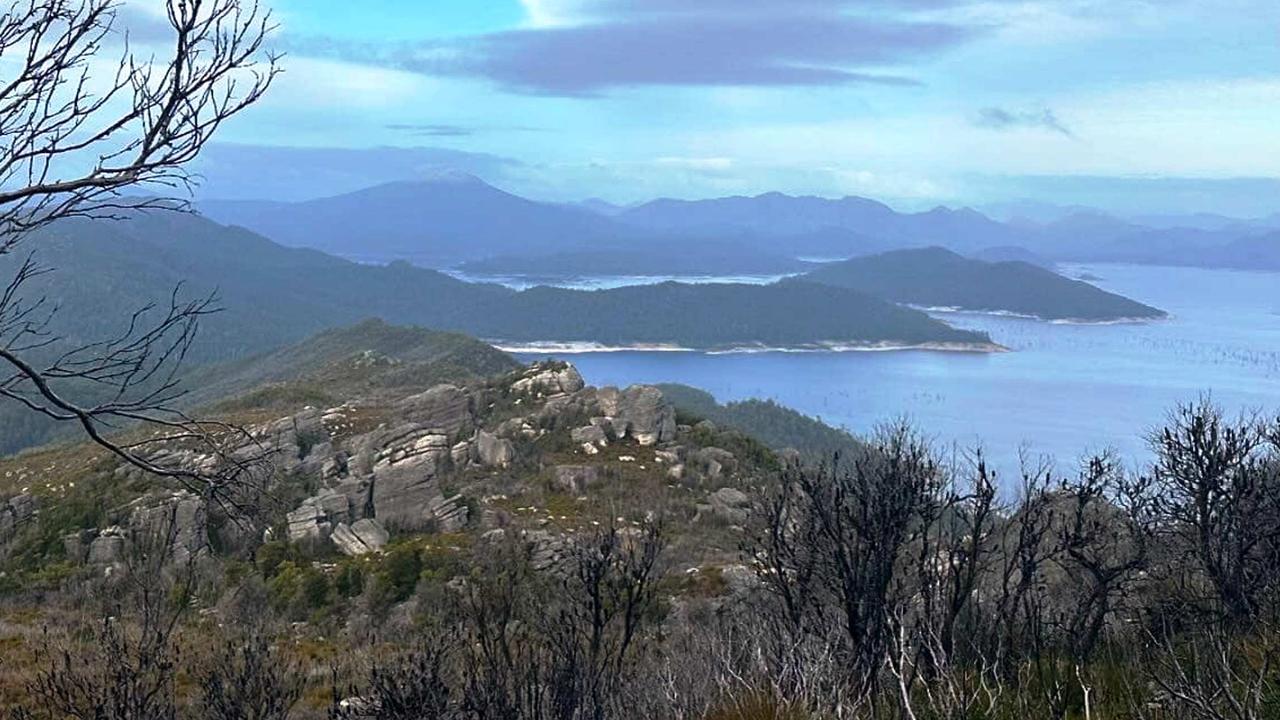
452	176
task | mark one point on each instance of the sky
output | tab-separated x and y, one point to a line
915	102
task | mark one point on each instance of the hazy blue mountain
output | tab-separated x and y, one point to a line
231	171
776	214
1171	246
1031	211
771	213
1252	251
600	207
1197	221
457	218
936	277
1080	235
1258	252
432	224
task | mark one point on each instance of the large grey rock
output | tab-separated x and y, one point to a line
317	516
76	545
403	492
651	419
494	451
412	442
180	519
109	547
574	479
404	476
14	512
609	400
444	408
22	507
731	504
291	442
359	495
714	462
308	524
724	457
361	538
590	435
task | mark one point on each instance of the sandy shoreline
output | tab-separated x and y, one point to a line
575	348
946	310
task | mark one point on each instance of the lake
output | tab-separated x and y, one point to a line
1064	391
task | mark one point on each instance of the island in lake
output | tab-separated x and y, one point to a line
937	278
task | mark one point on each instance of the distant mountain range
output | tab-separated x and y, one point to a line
779	215
457	218
939	278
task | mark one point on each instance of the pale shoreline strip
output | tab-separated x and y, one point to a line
579	348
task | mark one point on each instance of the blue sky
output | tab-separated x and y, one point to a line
917	102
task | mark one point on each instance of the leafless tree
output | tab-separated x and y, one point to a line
1102	548
1216	485
249	678
1215	672
88	134
416	684
934	654
832	540
556	639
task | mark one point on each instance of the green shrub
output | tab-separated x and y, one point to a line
349	581
297	591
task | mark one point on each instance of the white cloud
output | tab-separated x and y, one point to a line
316	83
697	163
550	13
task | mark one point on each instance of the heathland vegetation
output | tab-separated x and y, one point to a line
520	546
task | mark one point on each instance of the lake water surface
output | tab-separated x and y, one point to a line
1064	390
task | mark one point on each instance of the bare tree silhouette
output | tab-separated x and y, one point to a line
86	136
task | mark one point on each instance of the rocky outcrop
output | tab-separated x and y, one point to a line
448	515
548	380
731	504
296	444
178	519
383	468
360	538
